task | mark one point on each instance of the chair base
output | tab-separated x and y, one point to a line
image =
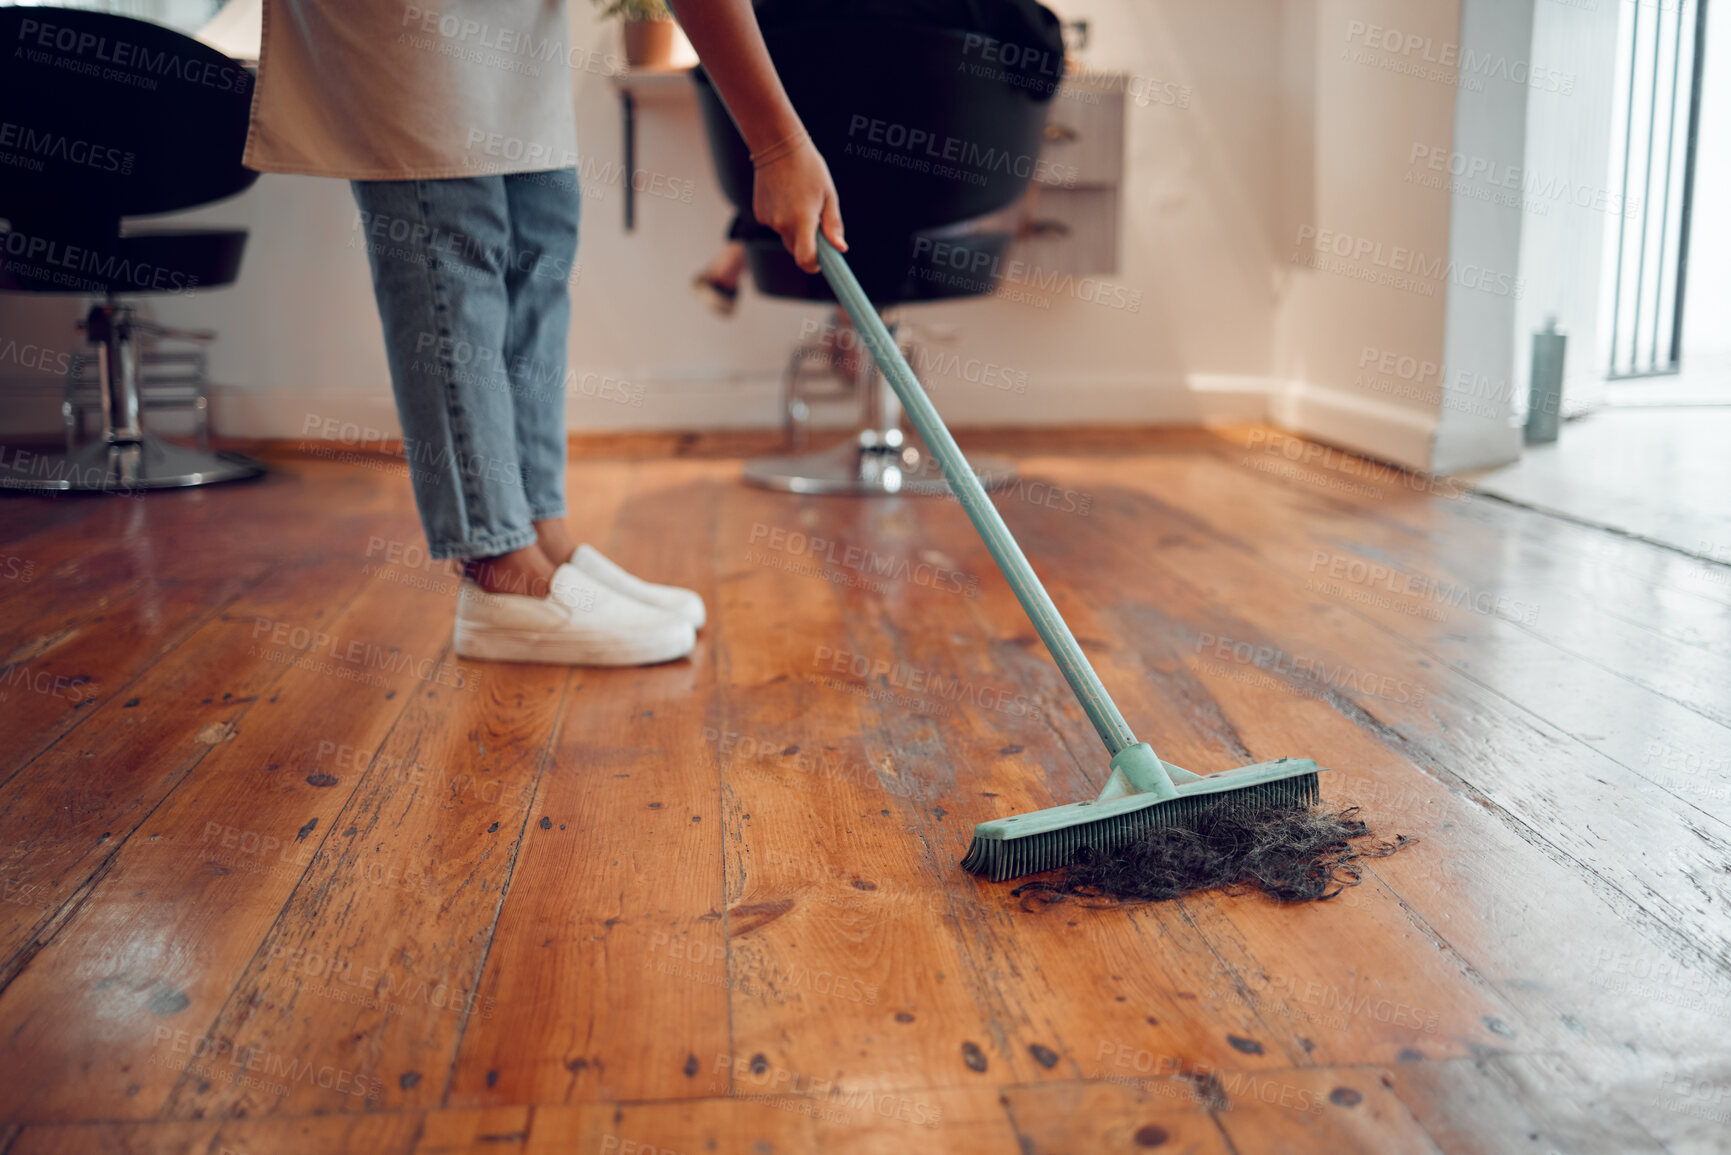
856	468
119	467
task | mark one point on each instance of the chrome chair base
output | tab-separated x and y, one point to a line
125	458
122	466
857	469
879	459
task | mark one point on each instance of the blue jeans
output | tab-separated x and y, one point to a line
472	277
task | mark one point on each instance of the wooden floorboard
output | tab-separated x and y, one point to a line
262	898
1545	686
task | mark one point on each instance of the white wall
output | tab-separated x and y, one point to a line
1292	230
299	335
1479	346
1360	317
1566	200
1707	297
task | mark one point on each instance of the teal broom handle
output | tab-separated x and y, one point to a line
1102	711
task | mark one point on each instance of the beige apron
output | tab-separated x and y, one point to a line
383	90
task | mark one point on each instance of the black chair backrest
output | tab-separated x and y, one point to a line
918	130
105	116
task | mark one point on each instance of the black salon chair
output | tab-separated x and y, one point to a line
109	118
918	145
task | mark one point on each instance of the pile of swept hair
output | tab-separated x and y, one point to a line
1292	854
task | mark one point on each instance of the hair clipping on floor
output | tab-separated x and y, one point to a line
1306	854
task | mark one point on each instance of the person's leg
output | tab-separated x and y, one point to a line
543	210
438	252
717	284
543	218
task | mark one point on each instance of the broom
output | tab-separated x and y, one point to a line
1142	794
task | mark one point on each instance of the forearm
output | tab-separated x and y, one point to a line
727	39
791	189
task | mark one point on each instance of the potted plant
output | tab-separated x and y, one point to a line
648	28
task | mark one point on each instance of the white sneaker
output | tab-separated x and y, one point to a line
581	623
681	603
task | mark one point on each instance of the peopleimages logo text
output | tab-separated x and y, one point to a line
969	154
1468	62
57	146
867	561
67	265
1401	259
123	54
981	269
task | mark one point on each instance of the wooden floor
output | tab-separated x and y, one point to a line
282	875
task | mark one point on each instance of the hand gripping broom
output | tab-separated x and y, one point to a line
1142	792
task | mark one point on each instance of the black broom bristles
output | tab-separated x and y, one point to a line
1001	859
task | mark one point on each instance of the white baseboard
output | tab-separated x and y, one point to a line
360	414
1107	399
1349	420
754	402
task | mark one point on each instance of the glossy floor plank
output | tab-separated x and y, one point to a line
715	905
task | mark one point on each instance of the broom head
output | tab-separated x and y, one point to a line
1007	848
